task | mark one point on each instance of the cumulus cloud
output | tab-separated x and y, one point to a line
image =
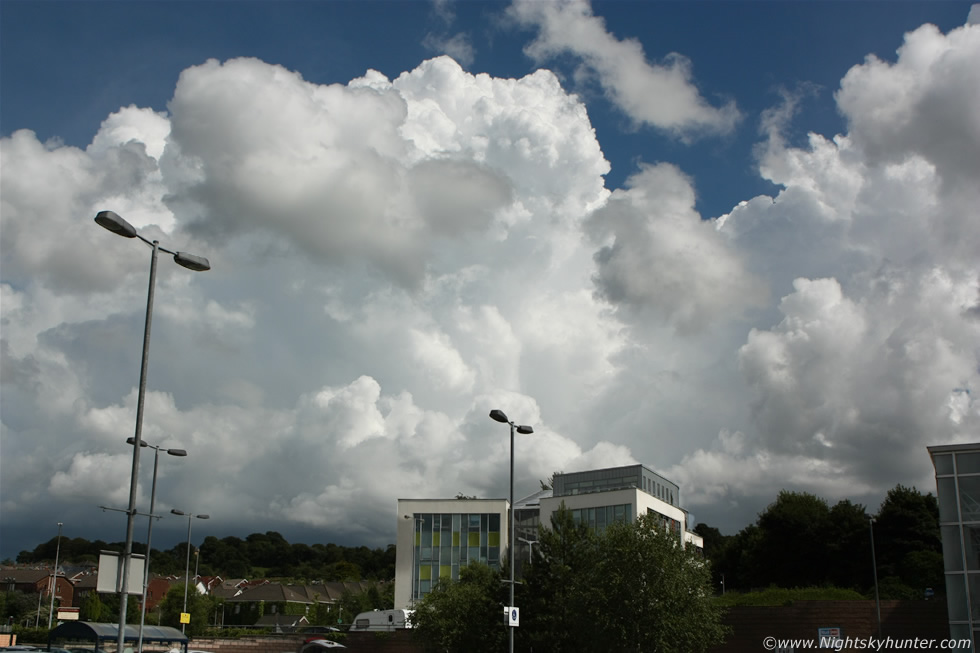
660	95
658	255
393	258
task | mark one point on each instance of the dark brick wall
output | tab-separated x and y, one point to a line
899	619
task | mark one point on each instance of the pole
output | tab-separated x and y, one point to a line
510	536
54	577
149	536
187	567
874	568
134	479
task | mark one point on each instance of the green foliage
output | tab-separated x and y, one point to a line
200	607
784	596
92	608
799	541
464	616
260	555
631	587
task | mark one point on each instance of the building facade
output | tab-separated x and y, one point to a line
435	537
958	491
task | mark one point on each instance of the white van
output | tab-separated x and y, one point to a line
382	620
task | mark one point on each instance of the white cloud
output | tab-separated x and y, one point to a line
660	95
392	259
657	254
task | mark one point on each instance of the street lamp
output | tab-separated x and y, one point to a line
499	416
874	568
117	225
187	567
54	583
149	528
530	547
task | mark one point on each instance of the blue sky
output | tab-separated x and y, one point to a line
729	240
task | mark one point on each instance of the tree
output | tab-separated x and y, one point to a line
907	522
557	589
653	594
631	587
92	608
198	606
793	548
463	616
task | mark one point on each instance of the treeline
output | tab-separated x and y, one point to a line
800	540
260	555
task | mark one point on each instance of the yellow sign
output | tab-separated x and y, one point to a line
185	617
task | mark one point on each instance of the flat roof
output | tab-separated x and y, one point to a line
952	448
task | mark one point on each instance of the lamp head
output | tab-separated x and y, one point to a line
178	512
132	440
499	416
192	262
177	452
114	223
525	429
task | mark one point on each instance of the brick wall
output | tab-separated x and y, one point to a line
899	619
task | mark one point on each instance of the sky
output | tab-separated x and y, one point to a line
733	241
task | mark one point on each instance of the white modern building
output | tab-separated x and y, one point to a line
958	491
437	536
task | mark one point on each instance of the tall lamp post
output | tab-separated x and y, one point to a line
187	567
54	583
874	568
499	416
149	528
117	225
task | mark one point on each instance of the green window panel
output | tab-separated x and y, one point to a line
474	538
445	571
425	573
494	539
455	538
435	538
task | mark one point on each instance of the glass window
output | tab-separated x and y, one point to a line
946	488
970	498
971	539
968	463
973	581
952	551
956	597
943	463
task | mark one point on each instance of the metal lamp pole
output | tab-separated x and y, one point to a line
187	566
114	223
874	567
149	528
499	416
54	582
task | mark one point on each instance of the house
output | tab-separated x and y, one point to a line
38	580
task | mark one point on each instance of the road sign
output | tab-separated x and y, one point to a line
185	617
513	616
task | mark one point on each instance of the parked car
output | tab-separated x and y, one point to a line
313	646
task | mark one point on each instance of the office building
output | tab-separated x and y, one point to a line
958	490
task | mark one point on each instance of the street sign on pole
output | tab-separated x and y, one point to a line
513	616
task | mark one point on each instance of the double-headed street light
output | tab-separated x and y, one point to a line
499	416
187	567
54	576
114	223
149	528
